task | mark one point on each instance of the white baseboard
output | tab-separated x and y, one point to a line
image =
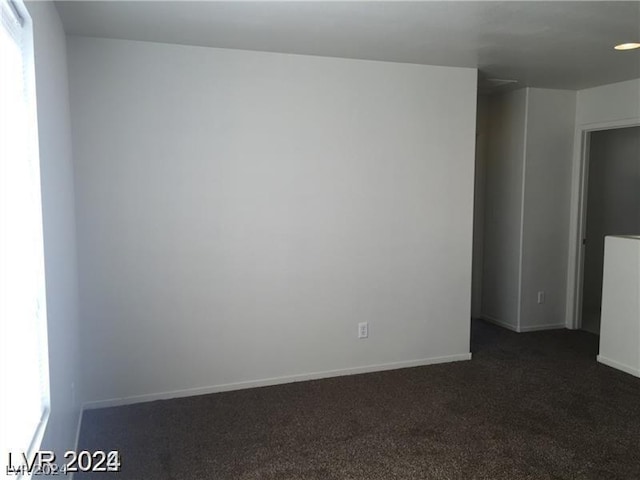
114	402
77	439
619	366
549	326
513	328
500	323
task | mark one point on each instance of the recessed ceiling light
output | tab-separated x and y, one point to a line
627	46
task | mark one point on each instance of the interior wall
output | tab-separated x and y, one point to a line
59	227
503	208
545	225
620	332
613	207
606	106
528	179
608	103
482	136
240	212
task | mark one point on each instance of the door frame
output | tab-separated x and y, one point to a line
578	214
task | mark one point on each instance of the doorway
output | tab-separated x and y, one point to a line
612	208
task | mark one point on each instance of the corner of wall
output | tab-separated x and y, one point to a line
527	98
58	212
605	106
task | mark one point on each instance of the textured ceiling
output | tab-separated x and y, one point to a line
551	44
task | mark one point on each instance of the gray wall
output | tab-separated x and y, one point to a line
607	106
608	103
547	187
240	212
56	171
503	208
527	195
482	137
613	207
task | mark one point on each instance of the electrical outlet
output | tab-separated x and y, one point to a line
541	297
363	330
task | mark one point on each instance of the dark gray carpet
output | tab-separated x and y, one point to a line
528	406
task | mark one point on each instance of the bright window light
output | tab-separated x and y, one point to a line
24	387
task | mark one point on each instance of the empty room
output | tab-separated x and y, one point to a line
320	240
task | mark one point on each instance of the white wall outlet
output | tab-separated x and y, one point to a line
541	297
363	330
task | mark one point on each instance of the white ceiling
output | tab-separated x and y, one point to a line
551	44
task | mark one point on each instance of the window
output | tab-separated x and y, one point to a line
24	382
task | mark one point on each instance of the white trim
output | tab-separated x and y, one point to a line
513	328
548	326
576	230
578	213
621	123
500	323
619	366
113	402
77	439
